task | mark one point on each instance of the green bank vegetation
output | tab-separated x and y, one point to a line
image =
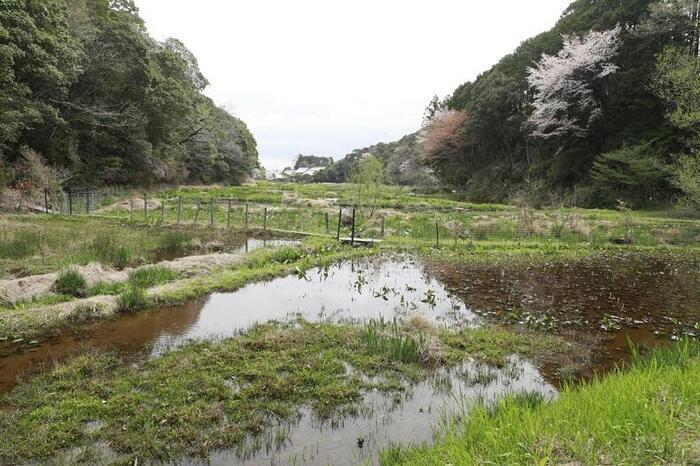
648	413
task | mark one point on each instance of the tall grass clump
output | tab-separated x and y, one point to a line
383	338
108	250
646	414
132	299
173	241
71	282
152	275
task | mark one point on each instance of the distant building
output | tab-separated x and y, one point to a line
305	167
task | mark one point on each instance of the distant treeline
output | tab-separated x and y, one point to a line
605	105
85	90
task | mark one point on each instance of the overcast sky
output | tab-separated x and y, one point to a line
324	77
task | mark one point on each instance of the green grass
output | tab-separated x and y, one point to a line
71	282
133	298
649	414
205	395
34	244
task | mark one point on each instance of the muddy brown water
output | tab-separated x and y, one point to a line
360	290
645	298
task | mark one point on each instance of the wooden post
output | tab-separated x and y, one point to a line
265	219
437	235
131	212
70	202
228	215
46	199
352	235
162	211
145	207
211	212
328	226
179	208
246	216
87	202
340	219
382	226
196	213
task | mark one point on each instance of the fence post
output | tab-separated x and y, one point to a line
328	226
145	208
87	202
196	213
382	226
131	212
70	201
265	219
211	212
228	215
46	199
352	235
340	219
179	208
162	211
437	235
246	216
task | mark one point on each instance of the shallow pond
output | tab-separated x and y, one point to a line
648	298
360	290
384	420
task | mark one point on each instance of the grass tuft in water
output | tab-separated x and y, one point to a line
383	338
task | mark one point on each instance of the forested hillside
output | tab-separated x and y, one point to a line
605	107
402	160
87	92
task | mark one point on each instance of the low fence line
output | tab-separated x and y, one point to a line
241	214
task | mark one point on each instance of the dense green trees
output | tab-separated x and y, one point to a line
82	83
640	94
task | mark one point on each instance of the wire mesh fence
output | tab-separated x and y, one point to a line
425	226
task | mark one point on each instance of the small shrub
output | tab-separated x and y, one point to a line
132	299
71	282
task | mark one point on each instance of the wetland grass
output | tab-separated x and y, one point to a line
206	395
648	413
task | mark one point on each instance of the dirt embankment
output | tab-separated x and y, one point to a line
20	289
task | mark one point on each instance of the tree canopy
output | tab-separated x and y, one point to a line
83	84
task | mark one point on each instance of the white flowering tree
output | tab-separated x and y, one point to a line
565	103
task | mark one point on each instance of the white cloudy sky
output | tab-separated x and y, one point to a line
325	77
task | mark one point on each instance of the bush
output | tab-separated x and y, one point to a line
132	299
71	282
686	177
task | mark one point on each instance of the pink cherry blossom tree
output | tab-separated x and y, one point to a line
565	103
